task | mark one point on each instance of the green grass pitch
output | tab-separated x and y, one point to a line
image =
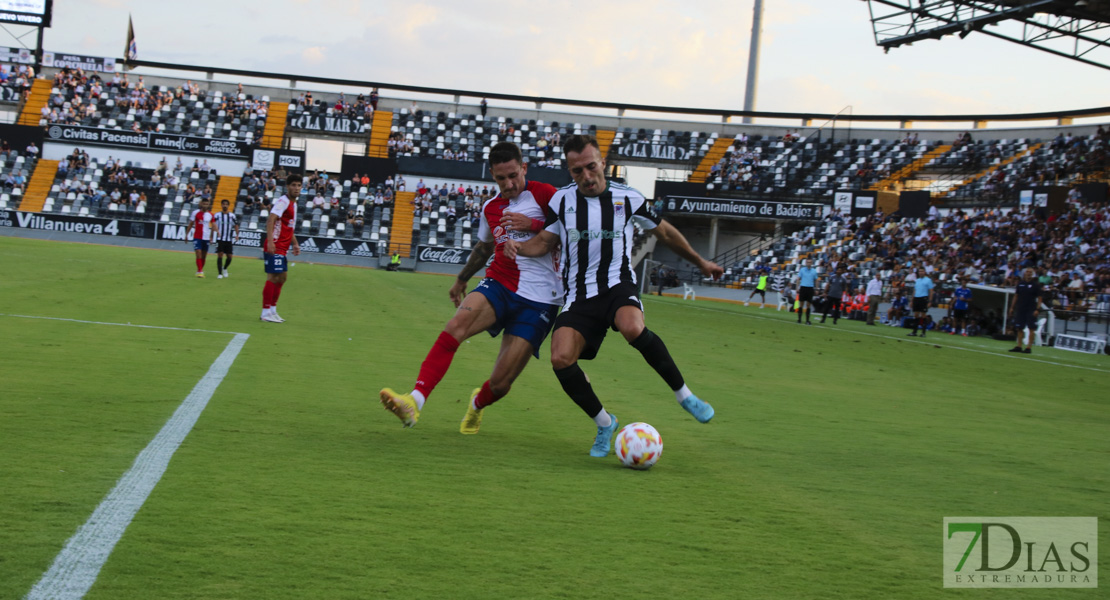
833	458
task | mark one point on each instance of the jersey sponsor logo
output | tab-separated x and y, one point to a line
574	235
309	245
362	250
499	235
335	247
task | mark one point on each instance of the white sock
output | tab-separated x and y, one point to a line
603	419
420	399
682	393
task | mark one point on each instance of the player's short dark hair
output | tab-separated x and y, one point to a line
294	178
503	152
225	201
578	143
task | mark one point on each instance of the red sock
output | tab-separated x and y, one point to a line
277	292
485	397
437	362
200	265
268	294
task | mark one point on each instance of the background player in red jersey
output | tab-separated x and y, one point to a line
519	297
279	238
200	226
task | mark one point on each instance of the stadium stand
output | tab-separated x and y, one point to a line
15	81
381	133
756	162
451	136
273	133
77	98
15	172
988	246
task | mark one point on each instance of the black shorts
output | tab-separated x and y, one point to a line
805	294
225	247
921	304
593	317
1023	319
959	314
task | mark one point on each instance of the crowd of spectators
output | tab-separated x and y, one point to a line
129	186
398	145
16	78
1064	158
1070	252
81	92
741	169
457	201
14	177
363	106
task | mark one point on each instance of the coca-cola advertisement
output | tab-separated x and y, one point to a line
439	254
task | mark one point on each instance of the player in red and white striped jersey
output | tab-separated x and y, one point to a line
519	297
199	232
279	238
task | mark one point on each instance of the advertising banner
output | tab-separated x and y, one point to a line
763	209
74	134
325	123
76	224
99	64
439	254
650	151
24	56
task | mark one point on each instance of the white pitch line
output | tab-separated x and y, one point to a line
121	324
887	337
77	566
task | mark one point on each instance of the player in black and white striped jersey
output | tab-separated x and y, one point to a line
593	219
227	233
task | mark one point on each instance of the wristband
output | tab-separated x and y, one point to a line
537	225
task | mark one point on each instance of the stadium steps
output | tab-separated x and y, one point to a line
891	182
988	171
605	139
32	108
227	189
273	134
380	127
38	187
400	232
715	153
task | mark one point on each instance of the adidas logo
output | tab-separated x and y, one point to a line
309	245
362	250
335	248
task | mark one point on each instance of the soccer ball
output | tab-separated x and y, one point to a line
638	446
